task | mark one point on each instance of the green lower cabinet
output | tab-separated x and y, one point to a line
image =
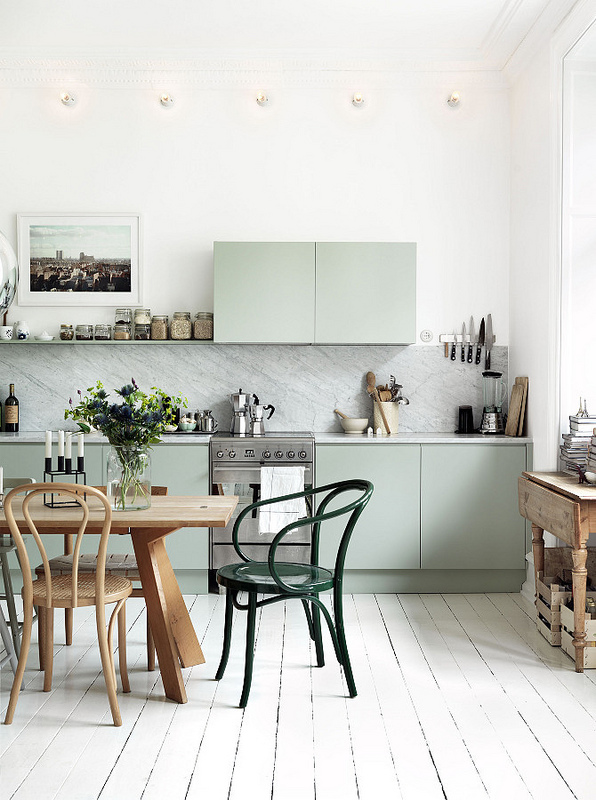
387	536
469	513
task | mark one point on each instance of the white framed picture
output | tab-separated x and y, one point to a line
79	259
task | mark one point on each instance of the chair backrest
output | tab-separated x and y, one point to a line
156	491
102	520
10	483
329	495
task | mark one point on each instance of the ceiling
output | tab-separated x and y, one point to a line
459	34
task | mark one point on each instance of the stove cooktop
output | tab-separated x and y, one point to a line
268	435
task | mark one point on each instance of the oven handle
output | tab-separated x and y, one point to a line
247	474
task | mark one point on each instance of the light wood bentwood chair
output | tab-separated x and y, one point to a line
68	591
122	565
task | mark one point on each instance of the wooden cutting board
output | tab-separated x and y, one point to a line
515	406
522	414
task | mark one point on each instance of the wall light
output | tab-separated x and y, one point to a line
453	99
67	99
166	100
262	99
357	99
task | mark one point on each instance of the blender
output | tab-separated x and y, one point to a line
493	394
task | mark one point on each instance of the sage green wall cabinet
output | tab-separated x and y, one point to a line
264	292
470	516
365	293
388	533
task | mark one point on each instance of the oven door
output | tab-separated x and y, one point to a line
245	482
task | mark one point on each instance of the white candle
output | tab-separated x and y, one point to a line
60	443
81	443
68	443
48	444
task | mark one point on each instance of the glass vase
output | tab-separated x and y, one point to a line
128	478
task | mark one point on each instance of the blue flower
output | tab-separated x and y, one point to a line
127	390
100	419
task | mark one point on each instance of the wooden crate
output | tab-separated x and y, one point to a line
549	598
567	626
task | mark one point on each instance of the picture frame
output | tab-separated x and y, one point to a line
79	259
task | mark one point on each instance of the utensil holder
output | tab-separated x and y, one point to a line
391	414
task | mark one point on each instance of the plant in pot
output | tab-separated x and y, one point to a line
131	426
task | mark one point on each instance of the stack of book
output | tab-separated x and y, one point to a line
576	445
591	465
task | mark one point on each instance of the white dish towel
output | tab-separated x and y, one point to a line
275	482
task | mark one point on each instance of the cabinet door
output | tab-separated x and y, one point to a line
387	535
470	517
264	291
366	293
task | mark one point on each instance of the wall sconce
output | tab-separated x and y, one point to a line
67	99
357	99
166	100
453	99
262	99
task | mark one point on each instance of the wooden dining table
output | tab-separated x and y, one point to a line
175	639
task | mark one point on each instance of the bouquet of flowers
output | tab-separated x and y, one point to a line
131	425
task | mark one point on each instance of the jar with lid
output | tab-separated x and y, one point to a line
84	333
203	328
159	327
123	316
103	332
181	327
122	332
142	332
142	316
66	332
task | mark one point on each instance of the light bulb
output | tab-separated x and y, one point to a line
262	98
67	99
166	100
453	99
357	99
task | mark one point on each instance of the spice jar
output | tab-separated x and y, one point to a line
142	332
123	316
121	332
203	328
84	333
159	327
181	327
103	332
66	332
142	316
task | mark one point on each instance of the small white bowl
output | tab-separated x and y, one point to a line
354	425
43	338
187	426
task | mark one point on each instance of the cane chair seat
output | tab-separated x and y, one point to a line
115	589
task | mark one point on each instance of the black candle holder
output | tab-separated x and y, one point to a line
61	476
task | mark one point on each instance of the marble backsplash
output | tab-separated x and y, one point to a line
304	383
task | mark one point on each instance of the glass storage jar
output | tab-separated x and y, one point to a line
123	316
159	327
142	332
103	332
181	327
66	332
203	328
122	332
84	333
142	316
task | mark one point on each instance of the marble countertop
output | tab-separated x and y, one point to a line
34	437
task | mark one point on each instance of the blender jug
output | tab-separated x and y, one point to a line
493	395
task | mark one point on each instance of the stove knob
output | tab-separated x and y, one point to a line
291	454
232	454
266	454
279	454
219	454
302	454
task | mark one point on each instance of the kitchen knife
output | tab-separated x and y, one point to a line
453	347
480	341
489	341
471	345
463	342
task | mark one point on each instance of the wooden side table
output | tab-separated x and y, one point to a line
557	503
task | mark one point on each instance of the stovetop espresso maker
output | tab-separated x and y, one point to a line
248	415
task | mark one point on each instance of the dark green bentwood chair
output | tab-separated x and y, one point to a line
288	580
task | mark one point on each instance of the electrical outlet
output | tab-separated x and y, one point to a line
426	336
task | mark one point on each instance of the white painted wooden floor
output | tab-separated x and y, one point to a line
459	698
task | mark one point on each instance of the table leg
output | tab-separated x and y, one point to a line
538	552
579	574
173	633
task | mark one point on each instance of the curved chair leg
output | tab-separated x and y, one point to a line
250	647
68	617
122	649
341	638
107	658
48	658
318	638
41	632
18	678
10	604
225	652
150	649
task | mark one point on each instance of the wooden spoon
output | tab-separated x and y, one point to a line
339	413
372	390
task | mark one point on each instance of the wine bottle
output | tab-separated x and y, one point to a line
11	412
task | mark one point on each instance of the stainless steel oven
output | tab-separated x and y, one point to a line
235	468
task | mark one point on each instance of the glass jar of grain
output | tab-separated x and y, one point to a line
84	333
103	332
66	332
123	316
159	327
122	332
142	332
142	316
181	326
203	327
